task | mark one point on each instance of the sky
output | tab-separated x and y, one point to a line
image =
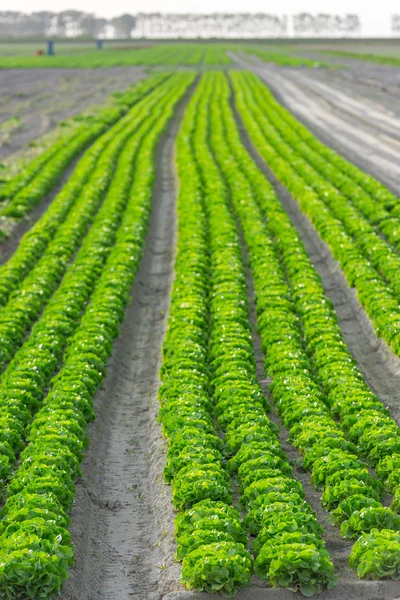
375	16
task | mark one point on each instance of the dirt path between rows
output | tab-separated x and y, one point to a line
122	520
362	129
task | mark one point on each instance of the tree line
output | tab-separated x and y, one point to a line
75	24
68	23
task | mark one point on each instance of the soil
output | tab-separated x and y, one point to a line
122	520
383	81
41	98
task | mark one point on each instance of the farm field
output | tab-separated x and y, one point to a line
114	56
200	324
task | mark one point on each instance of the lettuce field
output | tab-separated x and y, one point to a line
200	334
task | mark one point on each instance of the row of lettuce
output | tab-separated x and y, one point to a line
123	55
209	373
47	390
283	57
368	210
38	178
371	426
221	446
355	215
333	417
32	275
347	394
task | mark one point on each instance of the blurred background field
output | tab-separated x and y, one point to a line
84	53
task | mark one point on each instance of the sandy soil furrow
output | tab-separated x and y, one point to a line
122	520
371	80
367	110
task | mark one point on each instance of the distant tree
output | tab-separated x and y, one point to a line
12	23
396	23
68	23
38	23
93	26
351	24
123	25
325	24
73	23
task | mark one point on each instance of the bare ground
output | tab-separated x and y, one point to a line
122	520
41	98
380	81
